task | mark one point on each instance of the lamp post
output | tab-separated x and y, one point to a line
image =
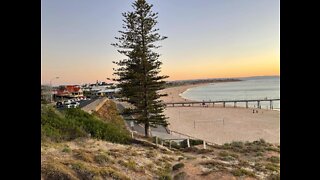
52	88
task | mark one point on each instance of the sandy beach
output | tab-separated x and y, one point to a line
174	92
221	125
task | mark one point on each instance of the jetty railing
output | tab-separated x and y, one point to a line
207	103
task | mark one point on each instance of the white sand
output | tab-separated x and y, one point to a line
174	92
240	124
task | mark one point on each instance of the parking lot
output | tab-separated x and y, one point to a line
82	103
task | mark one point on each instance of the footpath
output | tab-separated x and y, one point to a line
159	131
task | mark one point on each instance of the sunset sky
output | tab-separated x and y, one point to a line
206	38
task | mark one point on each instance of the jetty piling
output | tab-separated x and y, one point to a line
203	103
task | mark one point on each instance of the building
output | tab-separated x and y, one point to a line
69	91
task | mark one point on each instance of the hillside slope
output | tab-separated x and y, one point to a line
94	157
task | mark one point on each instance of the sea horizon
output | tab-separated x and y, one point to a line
258	87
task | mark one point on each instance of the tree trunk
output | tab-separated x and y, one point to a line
146	129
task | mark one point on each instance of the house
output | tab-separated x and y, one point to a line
69	91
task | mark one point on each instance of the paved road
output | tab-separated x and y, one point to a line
82	103
159	131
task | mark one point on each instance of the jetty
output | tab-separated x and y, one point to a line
223	102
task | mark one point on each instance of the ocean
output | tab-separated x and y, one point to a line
249	88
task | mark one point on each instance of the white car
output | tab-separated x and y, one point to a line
73	105
66	102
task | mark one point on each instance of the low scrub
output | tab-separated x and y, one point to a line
75	123
274	159
274	177
180	176
55	170
272	167
192	142
177	166
256	147
165	172
242	172
213	165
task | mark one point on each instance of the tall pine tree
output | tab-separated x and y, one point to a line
138	74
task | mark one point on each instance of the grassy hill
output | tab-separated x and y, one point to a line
68	151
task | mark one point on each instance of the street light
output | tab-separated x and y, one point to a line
51	93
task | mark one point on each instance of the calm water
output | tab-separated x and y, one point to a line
249	88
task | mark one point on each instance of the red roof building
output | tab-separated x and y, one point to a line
70	91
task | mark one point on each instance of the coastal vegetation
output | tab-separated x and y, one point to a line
138	75
74	123
66	155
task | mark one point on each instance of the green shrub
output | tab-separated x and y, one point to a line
55	170
272	167
101	158
274	159
242	172
177	166
165	172
192	142
75	123
66	150
223	153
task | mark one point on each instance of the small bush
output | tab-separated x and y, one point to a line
225	156
180	176
83	171
272	167
204	151
130	165
177	166
55	170
101	158
274	159
242	172
223	153
192	142
66	150
165	172
190	149
211	164
82	155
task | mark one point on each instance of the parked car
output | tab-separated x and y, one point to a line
73	105
59	104
66	102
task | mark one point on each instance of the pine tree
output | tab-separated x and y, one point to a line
138	74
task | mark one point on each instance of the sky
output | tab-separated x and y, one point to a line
206	38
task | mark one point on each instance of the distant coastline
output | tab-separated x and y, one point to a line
199	82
